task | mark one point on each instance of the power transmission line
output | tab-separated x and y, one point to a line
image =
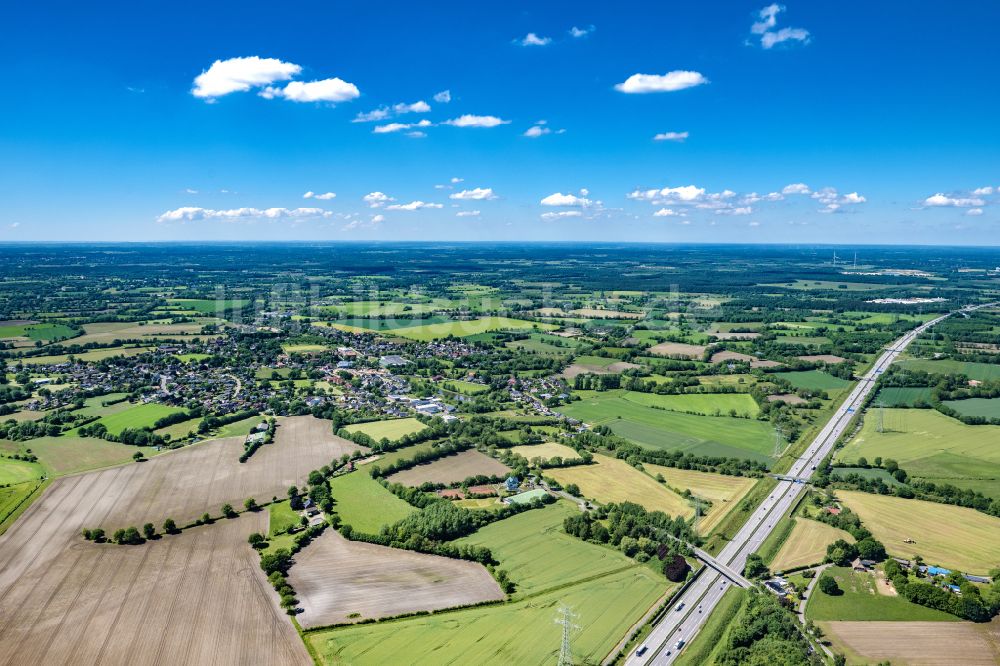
566	620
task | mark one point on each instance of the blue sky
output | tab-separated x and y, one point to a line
803	122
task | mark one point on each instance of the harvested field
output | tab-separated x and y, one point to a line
788	398
613	480
546	451
807	544
594	313
765	364
197	597
451	469
677	349
726	356
822	358
918	643
723	491
342	581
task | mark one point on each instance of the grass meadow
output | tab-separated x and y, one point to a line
364	504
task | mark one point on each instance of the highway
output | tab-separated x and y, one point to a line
689	612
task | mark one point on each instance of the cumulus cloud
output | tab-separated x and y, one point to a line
770	39
983	191
834	202
467	213
577	33
531	39
376	199
561	214
753	197
536	131
669	82
374	115
677	137
974	211
796	188
326	196
560	199
682	194
443	97
416	107
767	20
668	212
734	210
399	127
325	90
240	75
191	213
941	200
414	205
475	194
469	120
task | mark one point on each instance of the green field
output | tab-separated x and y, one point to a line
981	371
206	305
188	358
364	504
66	454
903	396
391	430
861	601
988	408
613	480
607	591
281	518
933	447
15	499
814	380
949	536
544	343
18	471
95	355
806	544
428	332
137	416
711	404
662	429
404	453
464	387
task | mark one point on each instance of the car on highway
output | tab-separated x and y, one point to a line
679	645
642	650
680	606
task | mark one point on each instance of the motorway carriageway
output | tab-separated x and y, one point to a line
690	611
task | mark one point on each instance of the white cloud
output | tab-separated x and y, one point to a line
974	211
753	224
531	39
536	131
325	90
443	97
476	194
416	107
941	200
561	214
398	127
853	198
188	190
683	194
322	197
767	19
414	205
669	82
734	210
796	188
369	116
983	191
576	32
769	39
560	199
376	199
668	212
456	179
416	134
467	213
469	120
677	137
240	75
190	213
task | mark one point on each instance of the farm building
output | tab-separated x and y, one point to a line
512	483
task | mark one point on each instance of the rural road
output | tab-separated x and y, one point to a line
698	601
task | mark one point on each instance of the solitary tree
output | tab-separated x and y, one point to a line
827	585
169	526
228	511
148	530
250	504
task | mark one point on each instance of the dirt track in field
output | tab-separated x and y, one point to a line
335	578
194	598
451	469
920	643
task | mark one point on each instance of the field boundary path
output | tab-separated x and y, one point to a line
680	628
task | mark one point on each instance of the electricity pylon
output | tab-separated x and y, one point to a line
566	620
